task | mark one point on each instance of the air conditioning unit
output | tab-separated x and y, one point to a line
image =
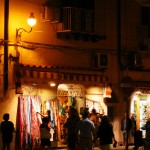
99	60
144	2
135	60
51	14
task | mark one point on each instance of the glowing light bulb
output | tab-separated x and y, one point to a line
31	20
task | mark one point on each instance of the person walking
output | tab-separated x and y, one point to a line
147	138
105	134
70	125
86	129
7	128
133	130
93	117
126	126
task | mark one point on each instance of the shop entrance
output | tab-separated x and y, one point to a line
69	95
95	99
140	107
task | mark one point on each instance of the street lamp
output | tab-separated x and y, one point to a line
31	22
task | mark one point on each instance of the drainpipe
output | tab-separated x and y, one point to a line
119	58
119	35
6	18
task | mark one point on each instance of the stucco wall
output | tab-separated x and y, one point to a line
44	32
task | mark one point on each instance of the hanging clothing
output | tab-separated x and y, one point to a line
27	122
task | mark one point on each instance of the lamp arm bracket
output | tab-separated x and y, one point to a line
20	30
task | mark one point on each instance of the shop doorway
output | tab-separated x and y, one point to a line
140	107
69	95
95	99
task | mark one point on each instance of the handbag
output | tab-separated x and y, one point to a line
115	143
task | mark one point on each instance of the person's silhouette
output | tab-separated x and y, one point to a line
7	128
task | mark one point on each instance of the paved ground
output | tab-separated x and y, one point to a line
130	147
118	148
63	147
97	148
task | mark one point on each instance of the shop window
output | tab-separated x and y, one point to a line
60	76
83	78
145	18
99	60
85	4
89	78
145	15
71	77
65	76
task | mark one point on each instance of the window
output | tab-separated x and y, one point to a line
145	19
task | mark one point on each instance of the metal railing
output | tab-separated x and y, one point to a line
80	20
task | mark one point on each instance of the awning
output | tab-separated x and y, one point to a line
142	86
129	86
142	90
60	73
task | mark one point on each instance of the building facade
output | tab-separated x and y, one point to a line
102	45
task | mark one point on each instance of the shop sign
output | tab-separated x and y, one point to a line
75	92
126	85
62	93
71	92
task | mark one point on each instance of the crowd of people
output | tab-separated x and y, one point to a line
82	132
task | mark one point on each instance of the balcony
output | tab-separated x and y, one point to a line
80	24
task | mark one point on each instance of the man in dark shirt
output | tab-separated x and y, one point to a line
7	128
126	126
86	129
105	133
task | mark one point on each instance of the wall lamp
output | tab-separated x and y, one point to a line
31	22
52	84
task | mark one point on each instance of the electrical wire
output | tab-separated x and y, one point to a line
63	48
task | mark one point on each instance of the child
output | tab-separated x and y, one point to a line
45	133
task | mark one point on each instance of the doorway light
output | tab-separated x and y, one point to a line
52	84
34	83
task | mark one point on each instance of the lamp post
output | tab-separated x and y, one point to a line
31	21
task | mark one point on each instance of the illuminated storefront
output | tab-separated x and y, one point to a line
95	98
140	106
77	90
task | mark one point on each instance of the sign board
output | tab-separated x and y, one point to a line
126	85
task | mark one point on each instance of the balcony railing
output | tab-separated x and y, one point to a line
80	20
